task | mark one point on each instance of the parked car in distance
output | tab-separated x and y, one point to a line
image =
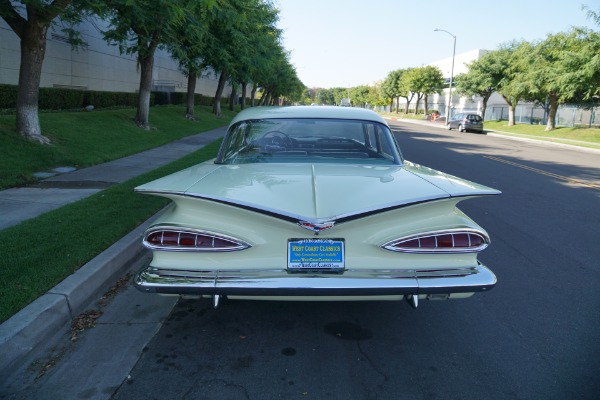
345	103
466	123
314	203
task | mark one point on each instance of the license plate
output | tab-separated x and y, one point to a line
318	254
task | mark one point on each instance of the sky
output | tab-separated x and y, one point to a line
347	43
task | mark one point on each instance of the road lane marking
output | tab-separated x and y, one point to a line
539	171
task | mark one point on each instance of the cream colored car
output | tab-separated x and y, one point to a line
314	203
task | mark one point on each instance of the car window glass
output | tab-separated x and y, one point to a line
309	140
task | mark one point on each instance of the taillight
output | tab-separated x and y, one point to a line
185	239
447	241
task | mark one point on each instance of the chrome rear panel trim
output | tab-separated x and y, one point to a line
281	283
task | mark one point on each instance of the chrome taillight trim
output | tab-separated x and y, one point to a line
239	244
393	245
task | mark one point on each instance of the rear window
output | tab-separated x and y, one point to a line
309	141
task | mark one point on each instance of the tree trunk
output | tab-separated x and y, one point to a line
243	101
484	105
512	104
263	99
232	97
219	94
33	48
553	103
425	98
191	92
511	115
253	94
397	104
419	97
143	110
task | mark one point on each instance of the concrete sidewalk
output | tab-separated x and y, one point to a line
29	330
20	204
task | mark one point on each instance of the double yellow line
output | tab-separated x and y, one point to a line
539	171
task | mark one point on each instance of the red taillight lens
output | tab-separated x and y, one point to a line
187	239
455	241
177	239
170	238
444	241
154	238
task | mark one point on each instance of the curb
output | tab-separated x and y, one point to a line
36	323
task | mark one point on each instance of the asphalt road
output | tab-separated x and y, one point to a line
535	336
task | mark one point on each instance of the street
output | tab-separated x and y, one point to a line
534	336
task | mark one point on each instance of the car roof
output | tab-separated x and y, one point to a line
307	112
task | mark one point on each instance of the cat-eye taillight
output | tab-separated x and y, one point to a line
186	239
446	241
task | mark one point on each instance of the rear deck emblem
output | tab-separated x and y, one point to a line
316	227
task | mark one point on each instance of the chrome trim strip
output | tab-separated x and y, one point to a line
281	283
292	217
482	234
241	245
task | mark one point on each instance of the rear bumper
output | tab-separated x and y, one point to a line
281	283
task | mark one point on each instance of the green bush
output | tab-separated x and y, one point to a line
60	99
8	96
160	98
72	99
110	99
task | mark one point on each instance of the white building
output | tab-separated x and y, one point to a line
497	108
95	66
460	104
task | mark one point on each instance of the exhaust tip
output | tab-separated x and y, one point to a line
413	300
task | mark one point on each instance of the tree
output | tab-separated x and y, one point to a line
565	67
404	87
219	45
186	48
511	86
376	96
242	44
339	93
140	27
263	43
325	96
360	95
30	21
425	81
482	79
390	88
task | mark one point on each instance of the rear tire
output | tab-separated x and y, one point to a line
461	128
449	127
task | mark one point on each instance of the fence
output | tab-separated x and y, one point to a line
567	115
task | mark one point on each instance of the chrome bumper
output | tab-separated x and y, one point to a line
282	283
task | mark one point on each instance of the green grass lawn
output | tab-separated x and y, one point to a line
82	139
39	253
560	134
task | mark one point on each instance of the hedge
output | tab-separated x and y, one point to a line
69	99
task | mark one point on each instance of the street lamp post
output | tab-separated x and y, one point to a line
451	73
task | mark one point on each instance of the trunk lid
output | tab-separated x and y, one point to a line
315	192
